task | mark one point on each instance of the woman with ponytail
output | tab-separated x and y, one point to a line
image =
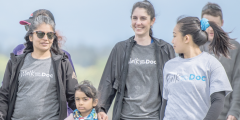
195	83
133	72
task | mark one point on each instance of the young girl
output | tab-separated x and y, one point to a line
195	83
134	70
38	83
86	101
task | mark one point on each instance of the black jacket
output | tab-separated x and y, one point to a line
115	73
66	81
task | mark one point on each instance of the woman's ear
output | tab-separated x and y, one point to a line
30	38
95	102
186	39
153	21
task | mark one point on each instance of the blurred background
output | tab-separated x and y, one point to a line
93	27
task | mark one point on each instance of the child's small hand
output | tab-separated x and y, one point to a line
102	116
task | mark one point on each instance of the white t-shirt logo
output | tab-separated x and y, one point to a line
138	61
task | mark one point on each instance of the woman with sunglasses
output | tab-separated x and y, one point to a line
20	48
134	69
38	83
195	83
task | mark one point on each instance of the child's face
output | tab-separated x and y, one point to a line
84	104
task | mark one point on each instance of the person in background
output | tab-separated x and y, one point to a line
231	111
195	83
38	83
134	71
20	48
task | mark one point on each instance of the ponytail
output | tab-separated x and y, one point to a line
150	32
221	41
197	29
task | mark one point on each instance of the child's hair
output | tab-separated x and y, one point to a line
87	87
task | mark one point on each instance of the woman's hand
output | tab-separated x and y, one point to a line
102	116
230	117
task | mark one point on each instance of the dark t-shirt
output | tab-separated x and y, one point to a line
37	91
142	98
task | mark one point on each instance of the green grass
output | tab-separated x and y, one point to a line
3	64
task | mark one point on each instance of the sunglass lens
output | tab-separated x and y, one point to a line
40	34
50	35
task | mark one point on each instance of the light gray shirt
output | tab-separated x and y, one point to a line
142	97
189	83
37	91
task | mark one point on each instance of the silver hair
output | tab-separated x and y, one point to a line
40	20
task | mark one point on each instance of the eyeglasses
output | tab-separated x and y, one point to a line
216	7
40	34
26	27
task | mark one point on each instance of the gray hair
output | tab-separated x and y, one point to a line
40	20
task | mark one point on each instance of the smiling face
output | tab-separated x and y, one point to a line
42	44
83	103
141	22
209	30
178	41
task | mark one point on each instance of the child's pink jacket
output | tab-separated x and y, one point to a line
70	117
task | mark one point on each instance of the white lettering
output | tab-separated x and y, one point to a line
141	62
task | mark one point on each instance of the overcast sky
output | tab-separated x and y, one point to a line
100	23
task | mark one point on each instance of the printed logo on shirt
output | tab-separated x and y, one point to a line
35	74
193	77
141	62
173	78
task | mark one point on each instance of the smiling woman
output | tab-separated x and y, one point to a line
39	41
133	70
42	71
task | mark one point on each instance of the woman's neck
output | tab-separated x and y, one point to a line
192	52
143	40
41	55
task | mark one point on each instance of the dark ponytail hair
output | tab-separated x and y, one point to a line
41	17
221	41
147	5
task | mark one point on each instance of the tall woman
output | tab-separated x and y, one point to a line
195	83
134	71
38	83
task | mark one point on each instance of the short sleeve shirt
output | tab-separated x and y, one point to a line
189	83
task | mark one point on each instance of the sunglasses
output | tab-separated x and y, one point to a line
216	7
40	34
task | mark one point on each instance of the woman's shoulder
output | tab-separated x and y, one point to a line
162	42
175	60
211	61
